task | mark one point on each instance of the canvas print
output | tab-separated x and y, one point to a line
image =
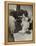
20	25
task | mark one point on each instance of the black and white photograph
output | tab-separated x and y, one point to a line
20	23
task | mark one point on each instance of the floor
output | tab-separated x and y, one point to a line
22	36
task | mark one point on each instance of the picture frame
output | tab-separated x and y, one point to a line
22	4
